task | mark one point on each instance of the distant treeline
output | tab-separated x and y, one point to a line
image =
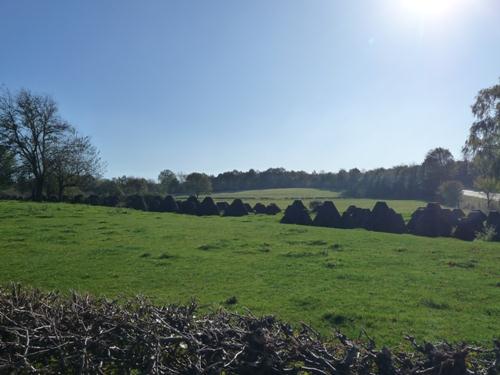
401	182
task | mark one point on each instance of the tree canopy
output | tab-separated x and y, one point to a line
42	142
483	143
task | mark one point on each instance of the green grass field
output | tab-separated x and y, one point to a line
283	197
390	285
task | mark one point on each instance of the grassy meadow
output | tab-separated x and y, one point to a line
389	285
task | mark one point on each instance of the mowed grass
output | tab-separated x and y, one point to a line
389	285
284	197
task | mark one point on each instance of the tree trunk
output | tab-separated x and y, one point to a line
38	188
60	192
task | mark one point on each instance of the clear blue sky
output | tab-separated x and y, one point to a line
220	85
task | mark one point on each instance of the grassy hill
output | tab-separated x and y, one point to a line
390	285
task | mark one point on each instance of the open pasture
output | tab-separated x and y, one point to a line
390	285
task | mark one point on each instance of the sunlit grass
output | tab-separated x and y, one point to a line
390	285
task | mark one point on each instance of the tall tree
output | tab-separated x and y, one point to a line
75	161
168	181
198	183
7	166
451	192
483	144
488	186
437	168
31	128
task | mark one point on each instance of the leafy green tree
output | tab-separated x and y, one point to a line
198	183
437	168
132	185
489	186
451	192
168	181
483	144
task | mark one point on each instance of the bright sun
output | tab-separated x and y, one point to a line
430	8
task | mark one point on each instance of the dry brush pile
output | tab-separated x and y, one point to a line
50	333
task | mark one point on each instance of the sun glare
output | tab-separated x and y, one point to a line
431	8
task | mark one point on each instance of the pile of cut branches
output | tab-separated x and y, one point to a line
52	333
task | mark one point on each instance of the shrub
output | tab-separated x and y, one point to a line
488	234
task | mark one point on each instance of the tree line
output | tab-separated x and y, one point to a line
43	155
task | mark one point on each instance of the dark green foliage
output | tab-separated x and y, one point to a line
483	142
236	208
136	202
450	192
327	216
436	168
198	183
296	213
168	181
401	182
111	201
93	200
78	199
470	226
7	167
248	208
208	207
385	219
